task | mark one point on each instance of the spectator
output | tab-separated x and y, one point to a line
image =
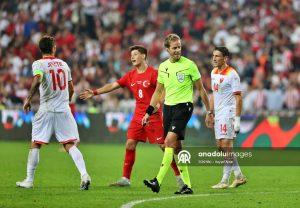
94	35
274	98
292	97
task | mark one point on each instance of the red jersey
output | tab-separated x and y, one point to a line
142	86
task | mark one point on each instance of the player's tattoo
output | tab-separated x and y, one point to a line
34	87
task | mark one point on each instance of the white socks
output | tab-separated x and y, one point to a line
226	173
32	162
236	169
228	168
78	159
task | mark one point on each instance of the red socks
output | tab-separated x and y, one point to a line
175	168
128	163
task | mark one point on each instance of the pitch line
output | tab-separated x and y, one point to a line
136	202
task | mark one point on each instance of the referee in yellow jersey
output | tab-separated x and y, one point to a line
176	76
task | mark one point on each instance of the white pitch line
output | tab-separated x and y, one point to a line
133	203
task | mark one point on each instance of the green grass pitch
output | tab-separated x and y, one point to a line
57	181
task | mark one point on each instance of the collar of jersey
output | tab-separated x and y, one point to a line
223	70
49	57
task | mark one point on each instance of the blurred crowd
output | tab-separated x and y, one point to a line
93	37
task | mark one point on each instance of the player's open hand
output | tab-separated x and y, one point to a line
145	119
86	94
209	120
27	105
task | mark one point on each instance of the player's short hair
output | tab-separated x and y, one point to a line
140	49
46	44
169	38
225	52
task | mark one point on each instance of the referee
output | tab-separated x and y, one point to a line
176	76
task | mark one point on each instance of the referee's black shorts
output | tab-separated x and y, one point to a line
176	118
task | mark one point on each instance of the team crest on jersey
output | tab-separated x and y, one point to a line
180	77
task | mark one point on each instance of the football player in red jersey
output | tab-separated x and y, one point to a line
141	81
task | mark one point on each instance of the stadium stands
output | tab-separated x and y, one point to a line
93	36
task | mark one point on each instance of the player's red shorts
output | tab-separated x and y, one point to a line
153	132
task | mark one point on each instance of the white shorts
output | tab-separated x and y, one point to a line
224	128
62	124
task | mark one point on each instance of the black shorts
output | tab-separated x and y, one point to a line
176	118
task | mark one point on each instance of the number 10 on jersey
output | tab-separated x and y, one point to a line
58	79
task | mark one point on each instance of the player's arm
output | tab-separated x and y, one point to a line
71	90
33	89
210	123
239	104
211	103
237	93
88	93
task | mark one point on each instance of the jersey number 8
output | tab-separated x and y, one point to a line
140	93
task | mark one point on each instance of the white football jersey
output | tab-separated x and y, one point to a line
55	75
225	84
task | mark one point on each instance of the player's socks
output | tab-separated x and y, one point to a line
175	168
185	175
128	163
32	162
236	169
78	160
179	181
166	162
226	173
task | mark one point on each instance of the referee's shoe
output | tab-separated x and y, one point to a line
153	184
184	190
